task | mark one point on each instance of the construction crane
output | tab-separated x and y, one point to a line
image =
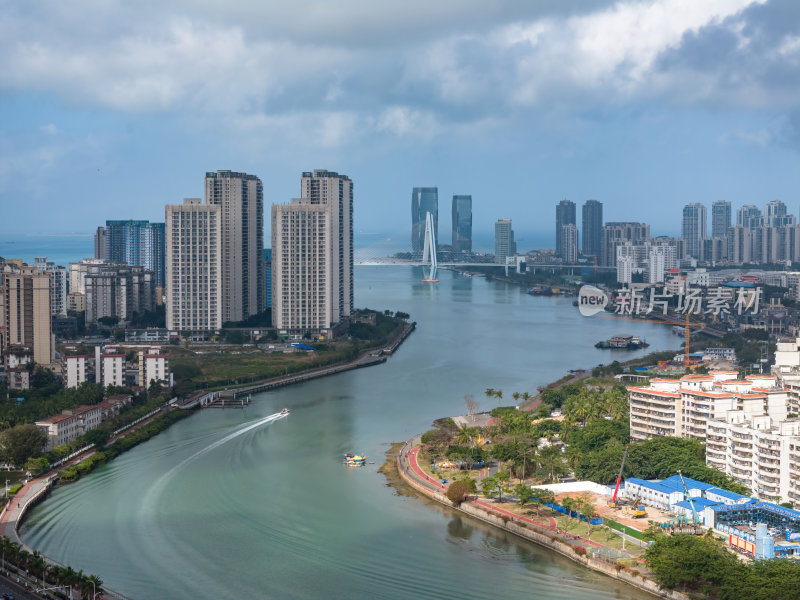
686	333
689	497
613	502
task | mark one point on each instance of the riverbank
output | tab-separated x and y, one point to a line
368	358
37	489
545	535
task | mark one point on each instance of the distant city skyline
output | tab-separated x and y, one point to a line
630	103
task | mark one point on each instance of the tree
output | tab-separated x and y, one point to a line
587	510
697	563
490	487
542	496
472	406
37	466
108	321
459	490
19	443
523	493
551	463
503	481
499	395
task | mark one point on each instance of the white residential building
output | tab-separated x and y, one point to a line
193	271
154	366
70	424
109	366
312	255
682	407
755	450
75	370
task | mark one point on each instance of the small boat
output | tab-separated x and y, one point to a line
623	342
285	411
354	460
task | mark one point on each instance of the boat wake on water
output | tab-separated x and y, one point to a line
161	483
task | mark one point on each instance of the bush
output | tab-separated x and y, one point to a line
579	550
459	490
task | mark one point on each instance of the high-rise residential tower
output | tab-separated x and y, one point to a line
241	200
312	255
693	229
619	233
27	311
504	244
776	215
136	243
193	273
100	243
720	218
749	216
569	243
565	215
462	224
424	200
592	228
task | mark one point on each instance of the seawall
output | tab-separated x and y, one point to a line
548	540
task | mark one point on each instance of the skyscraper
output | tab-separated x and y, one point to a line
27	313
592	228
776	215
268	275
100	243
693	229
749	216
569	243
423	200
193	265
462	224
565	215
504	244
241	200
618	233
720	218
136	243
312	255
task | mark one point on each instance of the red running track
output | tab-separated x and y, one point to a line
412	461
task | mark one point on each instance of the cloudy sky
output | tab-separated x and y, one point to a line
111	109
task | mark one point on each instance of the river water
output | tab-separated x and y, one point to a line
235	504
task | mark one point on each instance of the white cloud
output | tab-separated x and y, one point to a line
412	69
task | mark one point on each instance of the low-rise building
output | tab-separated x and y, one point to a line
70	424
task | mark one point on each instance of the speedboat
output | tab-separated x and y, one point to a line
285	411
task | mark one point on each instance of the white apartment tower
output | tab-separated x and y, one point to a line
312	254
75	369
241	200
193	265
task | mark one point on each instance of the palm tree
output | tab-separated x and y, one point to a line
516	396
499	395
489	392
527	452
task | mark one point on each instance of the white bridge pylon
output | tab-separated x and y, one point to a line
429	249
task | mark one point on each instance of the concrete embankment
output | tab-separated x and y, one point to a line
543	537
369	358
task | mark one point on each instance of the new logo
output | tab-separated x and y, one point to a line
591	300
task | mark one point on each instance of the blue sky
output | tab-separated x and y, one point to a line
111	109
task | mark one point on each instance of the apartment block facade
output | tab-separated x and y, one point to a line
240	198
312	255
193	266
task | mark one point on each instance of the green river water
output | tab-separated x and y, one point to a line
233	504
